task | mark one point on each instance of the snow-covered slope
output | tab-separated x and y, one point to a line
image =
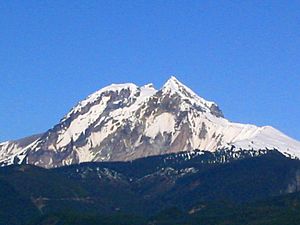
124	122
12	152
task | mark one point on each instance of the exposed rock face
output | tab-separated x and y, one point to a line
125	122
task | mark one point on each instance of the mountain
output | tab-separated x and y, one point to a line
122	122
198	185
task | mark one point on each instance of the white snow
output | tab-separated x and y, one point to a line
175	86
219	132
146	92
81	123
11	149
95	96
165	122
269	137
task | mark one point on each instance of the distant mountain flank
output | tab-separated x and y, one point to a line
122	122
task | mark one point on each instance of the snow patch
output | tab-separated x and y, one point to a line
165	122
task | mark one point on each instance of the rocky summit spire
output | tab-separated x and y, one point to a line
174	85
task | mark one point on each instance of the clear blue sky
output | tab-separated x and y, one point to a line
244	55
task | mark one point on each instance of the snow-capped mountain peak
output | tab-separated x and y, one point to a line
125	122
91	99
174	87
172	84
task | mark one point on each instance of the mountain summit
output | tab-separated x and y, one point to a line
123	122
